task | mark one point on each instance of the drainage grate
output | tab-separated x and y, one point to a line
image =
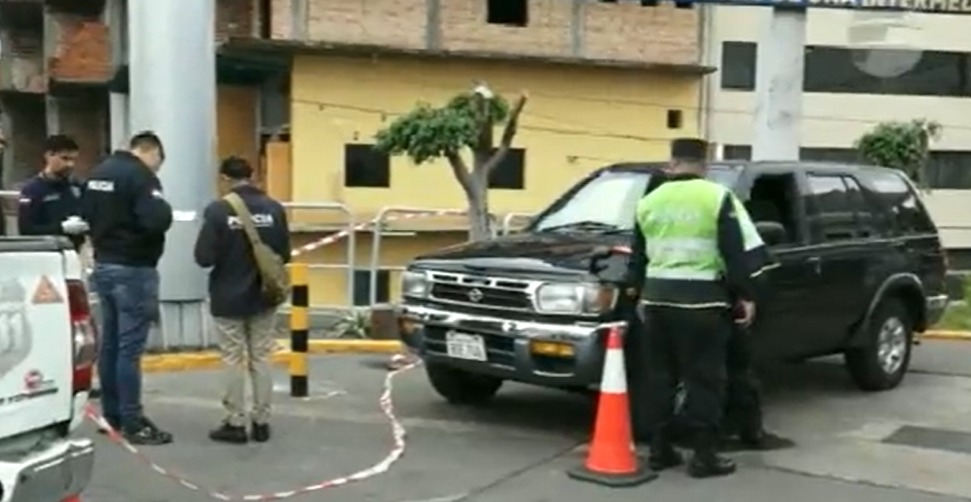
932	439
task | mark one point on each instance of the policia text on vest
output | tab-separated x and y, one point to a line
696	234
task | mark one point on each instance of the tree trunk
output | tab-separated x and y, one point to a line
480	223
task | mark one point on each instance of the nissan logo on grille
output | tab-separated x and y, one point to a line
475	295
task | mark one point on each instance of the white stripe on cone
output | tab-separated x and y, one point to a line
614	381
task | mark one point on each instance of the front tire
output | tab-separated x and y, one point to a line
884	359
461	387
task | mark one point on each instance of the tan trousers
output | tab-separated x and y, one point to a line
247	345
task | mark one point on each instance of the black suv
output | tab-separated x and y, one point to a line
861	270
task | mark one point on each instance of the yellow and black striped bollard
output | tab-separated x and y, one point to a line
299	330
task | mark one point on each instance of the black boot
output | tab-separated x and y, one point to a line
706	463
663	455
261	432
229	434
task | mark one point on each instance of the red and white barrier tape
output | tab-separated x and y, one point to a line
398	434
335	237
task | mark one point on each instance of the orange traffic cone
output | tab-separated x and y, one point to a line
611	460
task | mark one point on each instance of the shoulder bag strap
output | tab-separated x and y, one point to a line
245	217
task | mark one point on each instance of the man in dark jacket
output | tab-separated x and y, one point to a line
129	217
50	203
244	317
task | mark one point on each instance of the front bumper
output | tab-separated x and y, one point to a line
509	353
54	474
935	307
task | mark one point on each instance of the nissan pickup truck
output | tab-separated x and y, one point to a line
47	353
861	271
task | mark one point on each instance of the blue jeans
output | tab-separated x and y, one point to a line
129	305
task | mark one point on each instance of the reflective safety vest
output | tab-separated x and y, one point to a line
680	224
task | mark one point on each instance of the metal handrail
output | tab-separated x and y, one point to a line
507	220
349	228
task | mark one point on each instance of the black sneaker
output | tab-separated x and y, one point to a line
145	432
261	432
229	434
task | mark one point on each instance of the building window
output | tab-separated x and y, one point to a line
945	169
507	12
843	70
738	66
362	287
675	119
366	167
510	173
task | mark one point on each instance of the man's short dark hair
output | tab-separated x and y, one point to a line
147	140
60	143
236	168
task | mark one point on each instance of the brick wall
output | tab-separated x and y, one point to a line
82	49
85	119
235	18
621	31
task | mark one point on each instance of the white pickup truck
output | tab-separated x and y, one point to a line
47	352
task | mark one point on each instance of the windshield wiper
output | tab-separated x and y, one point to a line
585	226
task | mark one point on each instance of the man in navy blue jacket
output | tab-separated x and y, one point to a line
129	217
243	316
50	202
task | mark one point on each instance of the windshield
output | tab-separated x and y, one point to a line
607	201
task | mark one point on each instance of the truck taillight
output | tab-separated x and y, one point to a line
84	336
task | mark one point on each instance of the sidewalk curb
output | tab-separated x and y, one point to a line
941	334
187	361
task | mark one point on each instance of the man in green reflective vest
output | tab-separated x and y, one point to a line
696	234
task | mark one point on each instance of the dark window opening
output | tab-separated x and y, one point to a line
366	167
896	195
362	287
508	12
842	70
510	173
266	18
674	119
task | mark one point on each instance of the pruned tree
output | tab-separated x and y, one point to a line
900	145
466	122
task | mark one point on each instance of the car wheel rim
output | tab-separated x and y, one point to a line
892	346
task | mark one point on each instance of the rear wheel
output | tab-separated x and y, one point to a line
461	387
883	361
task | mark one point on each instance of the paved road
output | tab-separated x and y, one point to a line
518	448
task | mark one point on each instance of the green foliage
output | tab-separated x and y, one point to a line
900	145
356	324
429	132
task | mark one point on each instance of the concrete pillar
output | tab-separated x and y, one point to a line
173	92
779	71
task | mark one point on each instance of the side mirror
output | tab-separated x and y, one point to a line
600	258
772	232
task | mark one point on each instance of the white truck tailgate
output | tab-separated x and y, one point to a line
35	342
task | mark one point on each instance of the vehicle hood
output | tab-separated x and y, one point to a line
536	253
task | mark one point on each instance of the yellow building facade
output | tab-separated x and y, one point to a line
578	118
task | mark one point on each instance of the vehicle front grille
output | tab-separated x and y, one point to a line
480	291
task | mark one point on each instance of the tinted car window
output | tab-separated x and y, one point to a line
833	218
868	220
610	198
900	198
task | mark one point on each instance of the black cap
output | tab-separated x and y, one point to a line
689	149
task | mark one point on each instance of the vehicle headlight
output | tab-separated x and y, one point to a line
414	284
574	298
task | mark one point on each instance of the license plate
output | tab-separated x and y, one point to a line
465	346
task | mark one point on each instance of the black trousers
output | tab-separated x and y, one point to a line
689	346
743	411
